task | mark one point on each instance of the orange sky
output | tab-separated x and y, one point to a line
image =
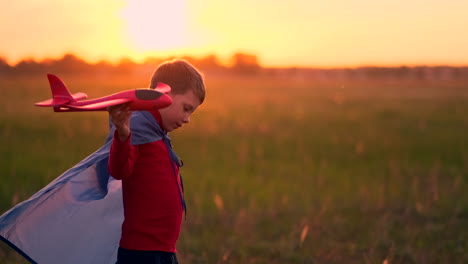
282	33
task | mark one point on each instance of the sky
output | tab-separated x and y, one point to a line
332	33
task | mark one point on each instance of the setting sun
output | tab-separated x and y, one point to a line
156	25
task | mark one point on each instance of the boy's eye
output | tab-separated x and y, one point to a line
187	108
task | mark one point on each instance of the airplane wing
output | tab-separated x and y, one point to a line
99	106
53	102
162	88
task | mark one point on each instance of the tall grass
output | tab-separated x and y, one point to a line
281	170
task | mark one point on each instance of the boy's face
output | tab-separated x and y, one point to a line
178	113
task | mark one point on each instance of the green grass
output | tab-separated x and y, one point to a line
372	171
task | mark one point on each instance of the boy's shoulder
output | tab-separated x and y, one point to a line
145	128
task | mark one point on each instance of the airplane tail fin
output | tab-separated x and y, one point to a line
60	93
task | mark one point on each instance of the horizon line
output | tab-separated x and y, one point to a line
118	60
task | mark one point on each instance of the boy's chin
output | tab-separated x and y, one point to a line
169	129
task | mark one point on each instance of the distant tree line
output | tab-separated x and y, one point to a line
70	63
239	64
416	73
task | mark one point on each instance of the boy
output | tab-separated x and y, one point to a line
152	188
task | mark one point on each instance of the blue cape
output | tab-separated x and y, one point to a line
77	218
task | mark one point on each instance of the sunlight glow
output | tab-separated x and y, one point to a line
297	33
154	25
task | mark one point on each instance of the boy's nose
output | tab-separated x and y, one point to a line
186	119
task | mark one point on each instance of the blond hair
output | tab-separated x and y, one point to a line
181	76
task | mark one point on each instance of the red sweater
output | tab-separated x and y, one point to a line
152	203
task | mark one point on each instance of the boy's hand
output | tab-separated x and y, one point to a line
120	117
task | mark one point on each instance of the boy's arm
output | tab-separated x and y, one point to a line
120	117
122	153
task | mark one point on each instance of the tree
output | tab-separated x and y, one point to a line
245	63
209	62
70	63
125	65
29	66
4	67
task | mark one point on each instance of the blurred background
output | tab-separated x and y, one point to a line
332	132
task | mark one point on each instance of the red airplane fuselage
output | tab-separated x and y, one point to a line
137	99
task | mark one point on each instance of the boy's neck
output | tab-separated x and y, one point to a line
158	117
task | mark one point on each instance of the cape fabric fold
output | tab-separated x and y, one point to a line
76	218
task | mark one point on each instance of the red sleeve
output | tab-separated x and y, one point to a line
122	157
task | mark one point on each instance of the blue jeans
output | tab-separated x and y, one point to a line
126	256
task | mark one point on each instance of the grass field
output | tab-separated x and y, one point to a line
278	170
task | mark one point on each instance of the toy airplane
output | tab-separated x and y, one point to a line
137	99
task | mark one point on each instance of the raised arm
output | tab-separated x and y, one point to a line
120	117
122	153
